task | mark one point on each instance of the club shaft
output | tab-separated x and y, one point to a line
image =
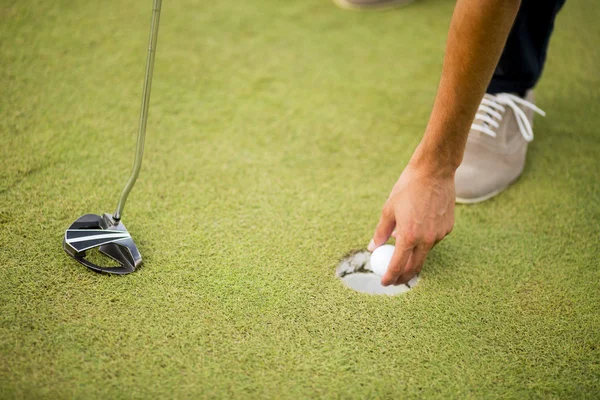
139	151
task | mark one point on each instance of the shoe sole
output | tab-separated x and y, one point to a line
462	200
392	4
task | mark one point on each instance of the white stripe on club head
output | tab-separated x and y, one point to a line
122	235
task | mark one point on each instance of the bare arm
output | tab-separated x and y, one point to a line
477	35
421	205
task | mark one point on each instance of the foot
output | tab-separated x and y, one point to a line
496	147
370	4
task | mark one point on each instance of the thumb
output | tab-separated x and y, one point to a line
383	231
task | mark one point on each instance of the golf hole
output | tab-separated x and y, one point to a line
355	271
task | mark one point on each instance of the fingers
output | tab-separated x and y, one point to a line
414	264
397	264
384	229
419	252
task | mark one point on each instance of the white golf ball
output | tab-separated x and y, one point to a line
380	259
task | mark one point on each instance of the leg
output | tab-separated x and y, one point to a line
524	54
497	144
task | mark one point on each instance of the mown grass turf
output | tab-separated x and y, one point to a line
276	131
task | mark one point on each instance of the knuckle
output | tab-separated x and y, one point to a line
411	238
430	238
387	210
395	271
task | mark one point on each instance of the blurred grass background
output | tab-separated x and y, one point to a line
276	132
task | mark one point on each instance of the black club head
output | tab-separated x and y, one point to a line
109	236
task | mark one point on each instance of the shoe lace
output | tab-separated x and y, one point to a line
492	109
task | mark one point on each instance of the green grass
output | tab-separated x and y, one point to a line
276	131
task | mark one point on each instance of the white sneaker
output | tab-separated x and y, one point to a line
496	147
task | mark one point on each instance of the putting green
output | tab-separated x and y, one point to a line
276	131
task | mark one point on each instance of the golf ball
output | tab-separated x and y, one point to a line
380	259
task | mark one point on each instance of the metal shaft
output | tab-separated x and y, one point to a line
139	151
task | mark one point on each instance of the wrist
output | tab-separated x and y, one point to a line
437	159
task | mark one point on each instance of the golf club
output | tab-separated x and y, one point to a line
107	232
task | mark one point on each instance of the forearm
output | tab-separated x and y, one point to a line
478	32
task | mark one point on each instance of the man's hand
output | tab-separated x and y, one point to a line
420	212
421	205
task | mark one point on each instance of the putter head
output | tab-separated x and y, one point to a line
109	236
